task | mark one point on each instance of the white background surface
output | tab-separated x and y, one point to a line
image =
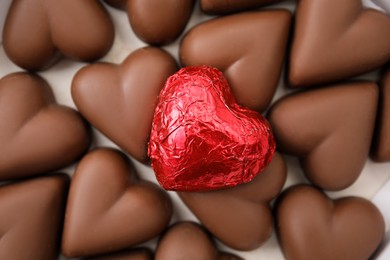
374	175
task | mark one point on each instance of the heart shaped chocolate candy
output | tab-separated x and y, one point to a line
109	208
188	240
119	100
31	214
250	53
201	138
241	216
312	226
36	134
329	129
37	32
335	40
154	21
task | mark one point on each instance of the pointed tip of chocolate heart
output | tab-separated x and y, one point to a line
329	129
156	22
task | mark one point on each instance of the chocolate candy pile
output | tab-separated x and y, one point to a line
63	191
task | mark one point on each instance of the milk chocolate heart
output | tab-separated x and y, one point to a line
31	218
381	151
36	134
312	226
324	46
135	254
37	32
201	138
250	53
240	217
231	6
156	22
119	100
188	240
329	129
109	208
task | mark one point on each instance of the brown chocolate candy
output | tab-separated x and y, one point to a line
36	32
134	254
231	6
154	21
36	134
31	214
329	129
250	52
335	40
188	240
119	100
109	209
312	226
240	217
381	151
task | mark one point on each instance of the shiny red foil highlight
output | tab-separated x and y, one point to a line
201	139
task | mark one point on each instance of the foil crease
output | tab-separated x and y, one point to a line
201	139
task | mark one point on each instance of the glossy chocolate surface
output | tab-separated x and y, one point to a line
329	129
154	21
107	197
36	134
241	216
312	226
188	240
119	100
31	215
250	53
334	40
38	32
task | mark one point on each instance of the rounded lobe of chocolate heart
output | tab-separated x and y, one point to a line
31	218
381	147
37	32
119	100
36	134
201	138
312	226
318	58
134	254
250	53
240	217
329	129
188	240
109	209
231	6
156	22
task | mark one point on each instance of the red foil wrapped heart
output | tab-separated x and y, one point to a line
201	138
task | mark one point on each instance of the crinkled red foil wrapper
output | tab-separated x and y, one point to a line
201	139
